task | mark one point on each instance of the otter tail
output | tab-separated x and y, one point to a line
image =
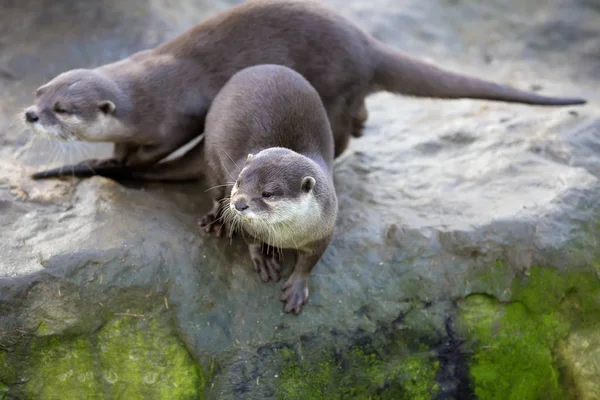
398	72
189	166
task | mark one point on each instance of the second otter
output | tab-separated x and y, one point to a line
268	131
155	101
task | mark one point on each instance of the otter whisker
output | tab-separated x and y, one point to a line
83	156
54	149
86	151
280	249
278	229
232	160
238	226
70	136
218	186
18	122
65	148
290	231
226	218
233	223
271	233
237	221
221	213
223	201
61	144
24	150
223	164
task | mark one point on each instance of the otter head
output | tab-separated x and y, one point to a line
76	105
274	186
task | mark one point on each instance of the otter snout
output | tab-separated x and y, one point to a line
31	116
241	204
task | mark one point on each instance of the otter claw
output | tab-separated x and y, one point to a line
267	265
211	224
295	294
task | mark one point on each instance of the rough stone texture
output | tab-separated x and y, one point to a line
466	229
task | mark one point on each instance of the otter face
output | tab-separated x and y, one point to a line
275	186
75	105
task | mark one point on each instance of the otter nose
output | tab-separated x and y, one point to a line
240	205
31	116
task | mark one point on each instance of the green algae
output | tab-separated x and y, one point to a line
310	383
418	374
578	357
3	391
5	375
60	367
155	364
515	341
359	375
514	355
546	290
44	329
127	358
7	372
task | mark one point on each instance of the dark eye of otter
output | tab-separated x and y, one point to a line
59	110
266	195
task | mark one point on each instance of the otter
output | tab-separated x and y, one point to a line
268	138
155	101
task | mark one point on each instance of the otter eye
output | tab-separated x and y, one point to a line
266	195
59	110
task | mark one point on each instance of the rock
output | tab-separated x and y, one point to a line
465	260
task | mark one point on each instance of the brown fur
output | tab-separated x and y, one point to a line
268	131
169	88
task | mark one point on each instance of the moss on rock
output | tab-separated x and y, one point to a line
359	375
579	357
514	355
127	358
3	391
7	371
545	290
515	341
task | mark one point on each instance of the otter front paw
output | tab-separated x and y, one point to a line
265	263
295	294
214	224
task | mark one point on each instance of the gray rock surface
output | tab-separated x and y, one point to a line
431	197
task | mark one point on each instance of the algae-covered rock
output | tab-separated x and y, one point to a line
429	289
515	342
513	359
579	355
3	391
132	357
359	375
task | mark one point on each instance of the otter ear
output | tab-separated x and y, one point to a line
250	156
39	91
308	183
107	106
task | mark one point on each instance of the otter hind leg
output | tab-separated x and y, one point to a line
359	118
